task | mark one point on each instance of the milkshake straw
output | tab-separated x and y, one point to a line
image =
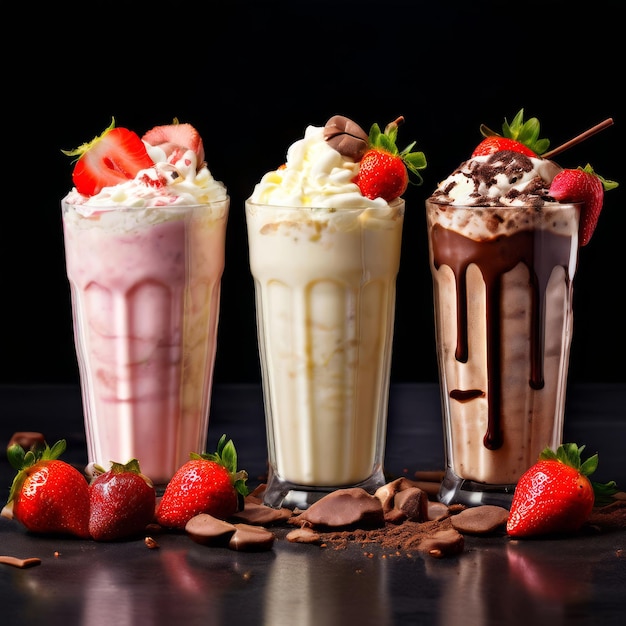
572	142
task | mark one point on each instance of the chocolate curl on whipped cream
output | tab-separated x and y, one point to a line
346	136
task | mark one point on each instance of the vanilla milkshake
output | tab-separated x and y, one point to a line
324	260
502	278
144	263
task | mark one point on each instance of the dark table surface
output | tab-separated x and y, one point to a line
574	580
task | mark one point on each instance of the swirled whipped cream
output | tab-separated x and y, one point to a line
314	175
504	178
164	184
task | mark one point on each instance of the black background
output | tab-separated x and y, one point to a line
251	76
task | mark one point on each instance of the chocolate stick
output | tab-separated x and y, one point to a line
572	142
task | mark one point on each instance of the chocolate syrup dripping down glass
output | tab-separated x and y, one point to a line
540	251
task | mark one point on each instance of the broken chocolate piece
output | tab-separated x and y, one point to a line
21	563
437	511
249	538
443	543
345	508
480	520
304	535
413	502
402	499
208	530
346	136
260	514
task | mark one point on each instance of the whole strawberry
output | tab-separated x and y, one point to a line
518	136
48	495
555	495
122	502
207	483
582	185
383	169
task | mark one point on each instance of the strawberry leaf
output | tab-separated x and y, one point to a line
526	132
570	454
604	492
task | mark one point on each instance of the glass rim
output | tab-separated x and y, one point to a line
108	208
551	205
394	204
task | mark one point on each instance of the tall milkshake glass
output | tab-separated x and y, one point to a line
325	284
145	290
502	279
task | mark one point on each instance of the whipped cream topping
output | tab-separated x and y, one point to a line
505	178
164	184
314	175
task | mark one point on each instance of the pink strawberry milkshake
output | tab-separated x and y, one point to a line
144	264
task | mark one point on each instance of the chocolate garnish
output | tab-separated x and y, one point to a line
209	531
345	508
346	136
443	543
480	520
248	538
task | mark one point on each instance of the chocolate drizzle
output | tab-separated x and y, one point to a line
541	251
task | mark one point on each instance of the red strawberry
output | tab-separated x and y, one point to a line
207	483
555	495
383	170
110	159
175	139
122	502
495	143
582	185
48	495
519	136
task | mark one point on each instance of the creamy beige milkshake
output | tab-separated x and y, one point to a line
144	261
324	260
325	291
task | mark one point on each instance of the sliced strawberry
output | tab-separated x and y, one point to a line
582	185
110	159
175	139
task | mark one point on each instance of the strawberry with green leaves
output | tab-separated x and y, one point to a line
383	169
518	136
117	155
48	495
207	483
582	185
555	495
122	502
570	185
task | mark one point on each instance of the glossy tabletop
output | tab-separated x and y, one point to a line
575	580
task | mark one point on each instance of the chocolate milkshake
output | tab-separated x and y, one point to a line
503	256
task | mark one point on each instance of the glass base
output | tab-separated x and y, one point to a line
280	493
456	490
